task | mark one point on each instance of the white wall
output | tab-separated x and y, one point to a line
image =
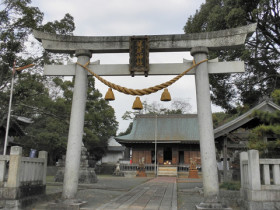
112	157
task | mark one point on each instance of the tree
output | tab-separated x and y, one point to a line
17	20
270	128
220	118
31	96
50	116
178	106
127	131
260	54
47	101
100	122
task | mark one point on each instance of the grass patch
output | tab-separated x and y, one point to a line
50	179
230	185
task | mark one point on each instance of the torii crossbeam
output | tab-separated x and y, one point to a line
198	44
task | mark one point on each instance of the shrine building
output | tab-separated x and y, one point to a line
175	137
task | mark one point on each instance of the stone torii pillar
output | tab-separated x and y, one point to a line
206	134
76	128
198	44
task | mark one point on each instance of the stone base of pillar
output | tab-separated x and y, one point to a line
212	206
73	204
213	203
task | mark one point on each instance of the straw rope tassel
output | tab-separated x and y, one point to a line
140	92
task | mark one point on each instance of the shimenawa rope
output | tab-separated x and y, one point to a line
141	92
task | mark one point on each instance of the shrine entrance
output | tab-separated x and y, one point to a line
167	155
181	157
198	44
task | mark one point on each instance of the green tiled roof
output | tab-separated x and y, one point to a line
170	128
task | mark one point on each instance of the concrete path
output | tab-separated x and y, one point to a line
158	193
131	193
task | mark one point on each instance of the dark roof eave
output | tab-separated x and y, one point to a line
242	119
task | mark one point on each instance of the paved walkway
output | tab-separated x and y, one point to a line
136	193
111	192
158	193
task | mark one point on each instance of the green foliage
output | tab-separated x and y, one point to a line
230	185
220	118
275	95
64	27
47	101
100	122
260	55
128	130
32	97
267	117
49	179
17	20
270	128
50	116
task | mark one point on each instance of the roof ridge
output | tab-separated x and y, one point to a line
165	115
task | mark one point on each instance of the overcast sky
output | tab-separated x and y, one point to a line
131	17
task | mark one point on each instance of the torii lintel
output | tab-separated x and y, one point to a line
215	40
214	67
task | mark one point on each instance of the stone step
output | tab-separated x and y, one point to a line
167	171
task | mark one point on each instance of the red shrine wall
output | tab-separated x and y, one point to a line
173	154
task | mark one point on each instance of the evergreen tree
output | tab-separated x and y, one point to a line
32	93
47	101
266	137
100	122
50	115
260	54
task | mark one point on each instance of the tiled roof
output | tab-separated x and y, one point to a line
175	128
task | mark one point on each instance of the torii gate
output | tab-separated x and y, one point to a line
198	44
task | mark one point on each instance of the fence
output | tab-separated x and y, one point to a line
133	167
24	176
260	181
151	167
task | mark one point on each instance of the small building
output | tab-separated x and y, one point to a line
115	152
175	138
232	137
17	125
